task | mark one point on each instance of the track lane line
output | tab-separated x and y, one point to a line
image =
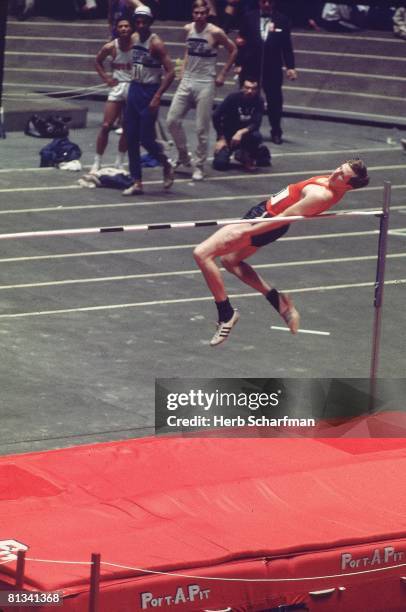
195	271
388	148
107	307
301	331
175	247
234	177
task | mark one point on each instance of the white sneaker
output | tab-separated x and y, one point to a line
223	329
289	313
197	174
135	189
119	131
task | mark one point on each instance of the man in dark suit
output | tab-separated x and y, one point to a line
265	47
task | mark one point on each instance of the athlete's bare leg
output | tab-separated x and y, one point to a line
122	143
235	264
112	111
233	245
223	242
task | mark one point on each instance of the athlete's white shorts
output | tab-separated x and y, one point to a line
119	93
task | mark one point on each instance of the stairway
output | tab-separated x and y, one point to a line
358	77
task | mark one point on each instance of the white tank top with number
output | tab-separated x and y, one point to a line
202	56
146	69
122	64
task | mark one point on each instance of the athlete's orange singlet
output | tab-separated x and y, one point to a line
291	194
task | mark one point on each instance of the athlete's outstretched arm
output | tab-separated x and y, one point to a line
316	199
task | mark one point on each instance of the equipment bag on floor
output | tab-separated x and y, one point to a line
59	150
51	127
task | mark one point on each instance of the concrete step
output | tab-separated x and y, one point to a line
172	31
379	43
328	103
40	79
54	44
44	78
371	65
331	80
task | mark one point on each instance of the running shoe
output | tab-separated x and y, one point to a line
289	313
223	329
135	189
197	174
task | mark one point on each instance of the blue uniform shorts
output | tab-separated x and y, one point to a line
259	210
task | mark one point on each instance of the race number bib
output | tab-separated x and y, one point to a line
281	195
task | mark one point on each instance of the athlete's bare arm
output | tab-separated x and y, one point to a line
159	51
315	200
108	50
222	40
186	54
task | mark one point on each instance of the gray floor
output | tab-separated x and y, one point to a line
88	322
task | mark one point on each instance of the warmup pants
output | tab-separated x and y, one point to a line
140	126
188	95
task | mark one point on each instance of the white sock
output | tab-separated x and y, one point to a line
97	161
119	163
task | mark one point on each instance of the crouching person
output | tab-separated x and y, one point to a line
237	121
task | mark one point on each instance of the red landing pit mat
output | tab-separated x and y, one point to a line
319	522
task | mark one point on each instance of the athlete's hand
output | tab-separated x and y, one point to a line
220	144
236	139
154	104
111	82
220	78
291	74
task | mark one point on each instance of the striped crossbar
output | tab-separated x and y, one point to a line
181	225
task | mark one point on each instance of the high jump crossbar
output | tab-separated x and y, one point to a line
183	225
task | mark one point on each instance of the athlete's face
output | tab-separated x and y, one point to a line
123	29
200	15
341	175
142	24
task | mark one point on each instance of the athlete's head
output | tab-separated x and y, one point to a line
200	11
352	172
123	27
361	178
143	19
